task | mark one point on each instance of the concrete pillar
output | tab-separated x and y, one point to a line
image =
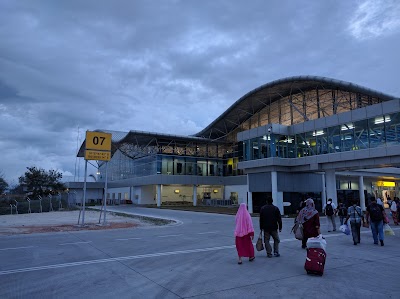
323	195
361	190
331	191
276	196
250	202
158	195
249	196
194	195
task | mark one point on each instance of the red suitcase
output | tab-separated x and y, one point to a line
315	261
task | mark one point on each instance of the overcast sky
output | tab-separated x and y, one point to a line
169	66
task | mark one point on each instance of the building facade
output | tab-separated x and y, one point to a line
291	138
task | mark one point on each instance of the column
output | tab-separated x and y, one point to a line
249	196
361	190
250	202
323	195
158	195
331	191
278	198
194	195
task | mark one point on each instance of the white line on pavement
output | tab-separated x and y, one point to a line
18	248
134	257
75	243
127	239
207	233
117	259
169	236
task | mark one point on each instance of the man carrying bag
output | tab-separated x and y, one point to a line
270	222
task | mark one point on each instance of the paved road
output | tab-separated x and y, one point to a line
195	258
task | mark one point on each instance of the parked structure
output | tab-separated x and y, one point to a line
286	139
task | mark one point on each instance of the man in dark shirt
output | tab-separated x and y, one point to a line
270	222
375	218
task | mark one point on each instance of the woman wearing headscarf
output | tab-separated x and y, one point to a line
244	234
309	218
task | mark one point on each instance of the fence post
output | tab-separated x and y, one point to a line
51	204
29	205
59	201
40	203
16	207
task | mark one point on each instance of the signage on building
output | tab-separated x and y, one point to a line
98	146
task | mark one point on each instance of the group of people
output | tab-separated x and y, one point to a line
271	222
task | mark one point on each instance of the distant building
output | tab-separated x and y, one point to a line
291	138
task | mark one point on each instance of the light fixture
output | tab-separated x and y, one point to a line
382	119
176	191
215	190
318	133
349	126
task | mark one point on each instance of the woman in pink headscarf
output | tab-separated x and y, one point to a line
244	234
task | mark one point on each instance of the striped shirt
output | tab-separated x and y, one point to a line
355	214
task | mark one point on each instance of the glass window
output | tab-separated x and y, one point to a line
376	132
392	128
347	137
361	135
334	139
255	149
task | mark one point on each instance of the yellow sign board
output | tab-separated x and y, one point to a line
97	155
98	141
385	184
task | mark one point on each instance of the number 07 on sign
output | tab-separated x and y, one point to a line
98	146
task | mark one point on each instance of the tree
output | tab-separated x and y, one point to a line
41	182
3	184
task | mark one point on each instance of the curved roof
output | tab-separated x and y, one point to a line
245	107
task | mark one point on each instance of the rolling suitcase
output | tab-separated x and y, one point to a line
315	261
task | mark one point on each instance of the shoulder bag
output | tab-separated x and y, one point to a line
259	244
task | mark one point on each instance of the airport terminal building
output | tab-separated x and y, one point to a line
287	139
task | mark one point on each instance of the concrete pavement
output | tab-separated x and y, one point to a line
195	258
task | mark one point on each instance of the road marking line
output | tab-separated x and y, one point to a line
12	248
127	239
169	236
124	258
207	233
74	243
134	257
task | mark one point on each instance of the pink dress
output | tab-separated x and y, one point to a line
243	232
244	245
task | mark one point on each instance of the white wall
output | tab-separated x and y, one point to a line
148	195
185	193
240	189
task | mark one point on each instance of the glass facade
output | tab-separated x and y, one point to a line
370	133
214	161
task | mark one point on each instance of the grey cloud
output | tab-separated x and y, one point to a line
166	66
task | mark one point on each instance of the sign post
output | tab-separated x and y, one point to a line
98	147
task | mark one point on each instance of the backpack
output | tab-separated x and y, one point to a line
375	212
342	211
329	210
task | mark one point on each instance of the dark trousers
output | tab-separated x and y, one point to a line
267	235
355	231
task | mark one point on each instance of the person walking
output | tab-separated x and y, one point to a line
393	208
309	218
355	214
244	234
374	215
330	212
342	212
270	222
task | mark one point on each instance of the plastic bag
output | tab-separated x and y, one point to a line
317	242
388	230
345	229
